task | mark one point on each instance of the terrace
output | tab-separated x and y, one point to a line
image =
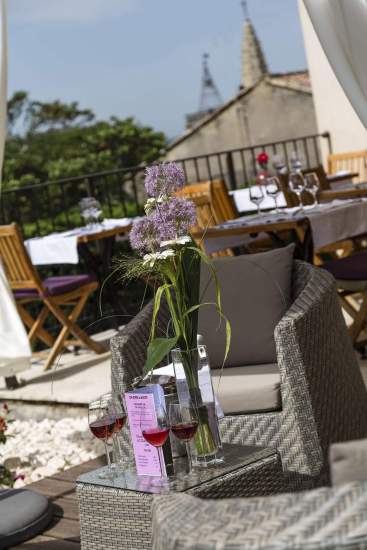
202	318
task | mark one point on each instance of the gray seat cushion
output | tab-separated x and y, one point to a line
256	292
251	389
348	461
23	515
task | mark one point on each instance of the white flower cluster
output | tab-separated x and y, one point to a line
152	258
181	241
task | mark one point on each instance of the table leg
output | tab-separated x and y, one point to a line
100	265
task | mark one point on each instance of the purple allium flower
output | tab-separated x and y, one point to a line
163	179
175	218
144	235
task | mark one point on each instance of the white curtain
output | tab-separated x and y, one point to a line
3	79
15	351
341	26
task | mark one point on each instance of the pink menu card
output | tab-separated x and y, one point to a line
141	413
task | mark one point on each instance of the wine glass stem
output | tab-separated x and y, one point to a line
119	449
276	205
107	454
258	210
315	198
160	461
189	457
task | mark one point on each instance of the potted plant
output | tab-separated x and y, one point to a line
168	256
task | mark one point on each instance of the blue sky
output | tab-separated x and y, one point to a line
142	58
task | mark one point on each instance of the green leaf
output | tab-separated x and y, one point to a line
157	303
157	351
198	306
210	265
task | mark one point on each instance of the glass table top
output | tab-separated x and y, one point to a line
235	457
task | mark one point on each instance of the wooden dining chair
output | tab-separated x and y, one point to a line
54	293
354	161
222	204
201	194
351	280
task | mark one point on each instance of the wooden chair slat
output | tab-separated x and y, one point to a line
207	216
353	161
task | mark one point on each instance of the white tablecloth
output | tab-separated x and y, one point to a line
243	204
15	352
62	248
330	223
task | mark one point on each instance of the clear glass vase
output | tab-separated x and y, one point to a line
195	389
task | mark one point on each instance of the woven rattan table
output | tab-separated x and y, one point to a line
117	514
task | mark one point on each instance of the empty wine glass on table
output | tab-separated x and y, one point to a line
91	211
279	165
257	196
296	163
312	185
158	434
297	185
273	190
102	426
184	424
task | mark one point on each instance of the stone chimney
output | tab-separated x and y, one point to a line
254	65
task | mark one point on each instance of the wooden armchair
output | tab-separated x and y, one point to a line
54	293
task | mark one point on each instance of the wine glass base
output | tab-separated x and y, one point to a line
108	473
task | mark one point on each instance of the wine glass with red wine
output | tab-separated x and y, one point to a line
116	408
158	434
102	426
184	424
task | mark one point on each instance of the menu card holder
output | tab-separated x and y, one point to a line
141	406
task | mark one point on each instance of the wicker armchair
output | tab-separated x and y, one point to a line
326	518
324	399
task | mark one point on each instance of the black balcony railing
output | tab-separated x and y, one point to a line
53	206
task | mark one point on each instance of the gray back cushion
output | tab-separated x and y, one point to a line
256	292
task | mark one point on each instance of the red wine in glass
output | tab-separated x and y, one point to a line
156	436
185	431
103	428
120	420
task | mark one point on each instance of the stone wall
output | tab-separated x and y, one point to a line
265	114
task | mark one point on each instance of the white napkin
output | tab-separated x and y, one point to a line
53	249
111	223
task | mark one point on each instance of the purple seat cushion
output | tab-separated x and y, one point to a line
352	268
57	285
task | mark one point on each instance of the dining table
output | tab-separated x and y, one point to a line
311	227
92	244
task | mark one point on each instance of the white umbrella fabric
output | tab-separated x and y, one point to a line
15	351
341	28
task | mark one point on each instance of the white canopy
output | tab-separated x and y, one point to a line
341	28
15	351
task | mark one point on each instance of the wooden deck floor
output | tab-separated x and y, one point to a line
63	533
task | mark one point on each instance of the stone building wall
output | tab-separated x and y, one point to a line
267	113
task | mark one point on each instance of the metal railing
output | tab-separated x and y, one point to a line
53	206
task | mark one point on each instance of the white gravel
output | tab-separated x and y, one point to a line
38	449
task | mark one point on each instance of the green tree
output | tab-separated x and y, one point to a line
54	140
